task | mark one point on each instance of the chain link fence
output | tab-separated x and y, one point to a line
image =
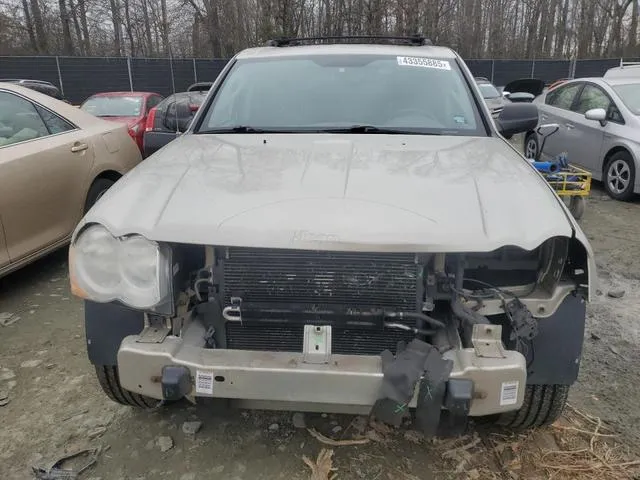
80	77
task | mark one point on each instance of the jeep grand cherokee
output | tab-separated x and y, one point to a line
342	228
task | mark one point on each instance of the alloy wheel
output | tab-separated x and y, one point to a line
531	149
618	176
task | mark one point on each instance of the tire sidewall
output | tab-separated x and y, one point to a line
98	188
629	192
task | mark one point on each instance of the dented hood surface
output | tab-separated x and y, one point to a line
342	192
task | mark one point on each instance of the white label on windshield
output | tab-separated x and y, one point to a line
424	63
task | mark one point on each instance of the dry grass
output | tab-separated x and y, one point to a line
579	446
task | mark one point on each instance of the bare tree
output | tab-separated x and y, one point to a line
66	28
219	28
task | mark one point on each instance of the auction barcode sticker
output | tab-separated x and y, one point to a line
424	63
509	393
204	382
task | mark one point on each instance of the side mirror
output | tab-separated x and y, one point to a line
597	114
506	94
517	118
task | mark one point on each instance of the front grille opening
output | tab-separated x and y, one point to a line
290	338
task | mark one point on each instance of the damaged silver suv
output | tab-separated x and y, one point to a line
342	228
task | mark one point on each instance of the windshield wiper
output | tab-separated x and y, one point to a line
374	130
239	129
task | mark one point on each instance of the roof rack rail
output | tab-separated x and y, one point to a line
417	40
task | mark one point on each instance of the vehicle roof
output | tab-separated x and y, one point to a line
621	81
71	113
606	81
351	48
124	94
194	93
25	80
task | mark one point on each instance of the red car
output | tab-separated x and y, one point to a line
131	108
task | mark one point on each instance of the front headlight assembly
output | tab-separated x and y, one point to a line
131	269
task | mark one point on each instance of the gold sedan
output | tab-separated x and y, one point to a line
56	161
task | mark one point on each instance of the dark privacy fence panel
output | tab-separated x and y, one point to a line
33	68
504	71
594	68
152	75
208	70
481	68
550	70
183	74
80	77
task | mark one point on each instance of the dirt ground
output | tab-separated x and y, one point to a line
55	404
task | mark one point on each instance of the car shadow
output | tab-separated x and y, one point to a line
42	270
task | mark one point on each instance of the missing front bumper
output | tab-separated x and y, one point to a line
282	377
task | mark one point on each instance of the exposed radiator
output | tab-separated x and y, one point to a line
384	280
318	281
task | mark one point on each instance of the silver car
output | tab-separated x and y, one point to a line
599	129
494	99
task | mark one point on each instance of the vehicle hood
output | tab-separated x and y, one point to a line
525	85
341	192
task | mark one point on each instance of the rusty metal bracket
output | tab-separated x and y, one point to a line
487	341
155	334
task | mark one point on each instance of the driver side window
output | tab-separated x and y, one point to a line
562	97
593	97
19	120
590	98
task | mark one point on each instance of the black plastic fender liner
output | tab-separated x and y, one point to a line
432	392
106	324
553	356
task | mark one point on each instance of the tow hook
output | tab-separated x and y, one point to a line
176	382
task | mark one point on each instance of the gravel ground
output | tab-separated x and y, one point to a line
55	404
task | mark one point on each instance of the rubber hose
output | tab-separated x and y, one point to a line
468	315
418	316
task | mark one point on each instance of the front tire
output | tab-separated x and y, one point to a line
543	405
97	189
577	206
110	383
620	176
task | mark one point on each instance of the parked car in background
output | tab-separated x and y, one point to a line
492	97
599	129
55	162
523	90
131	108
41	86
557	83
170	118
